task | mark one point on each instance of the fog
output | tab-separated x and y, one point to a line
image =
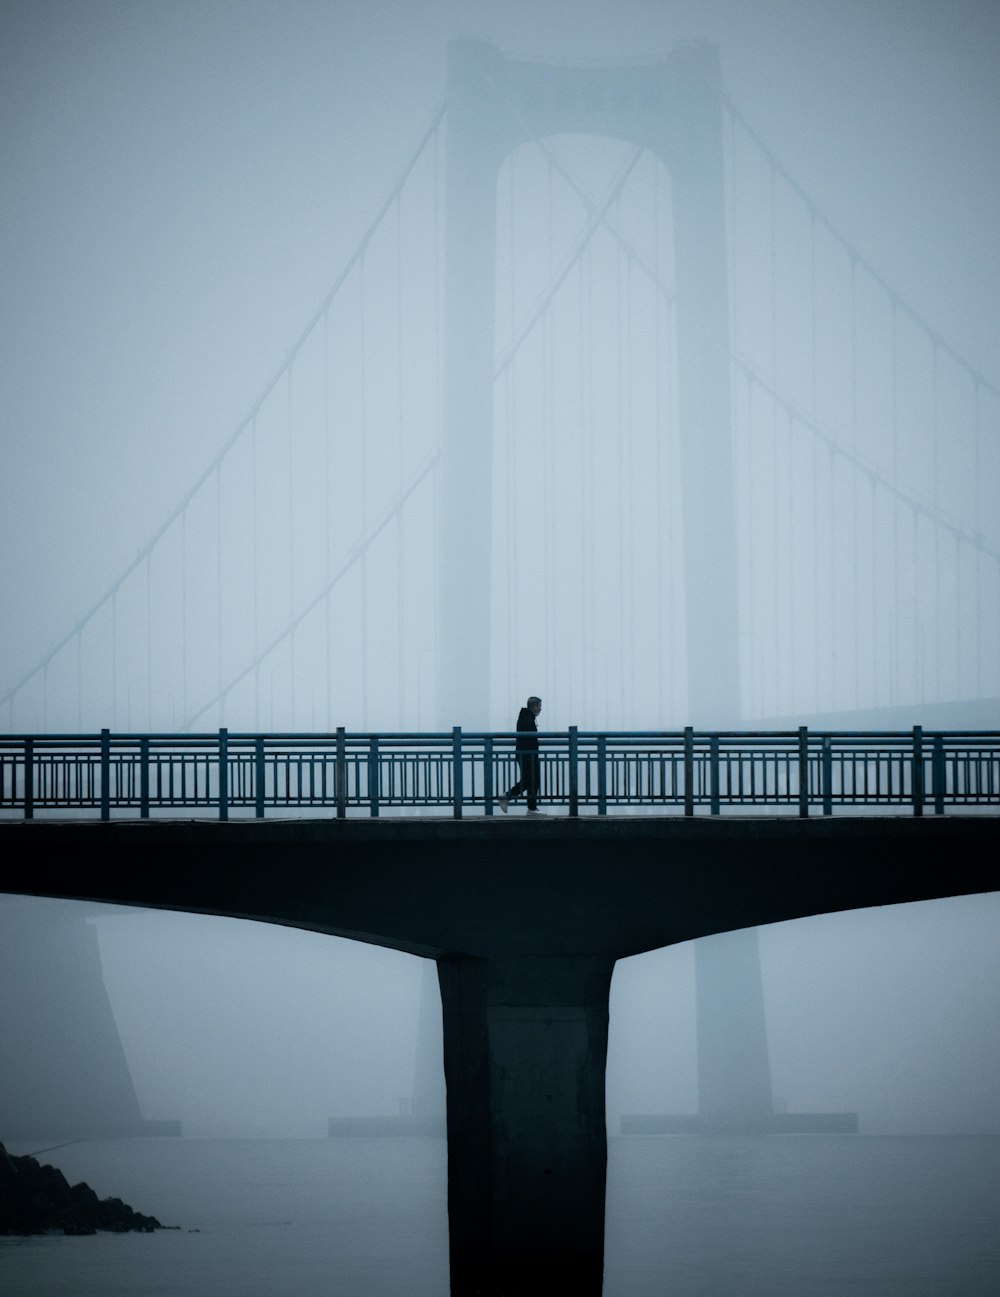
183	183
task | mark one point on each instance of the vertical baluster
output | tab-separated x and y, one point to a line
938	774
223	774
804	771
29	778
144	778
105	774
917	775
373	788
602	774
826	775
258	776
713	748
574	785
456	771
341	773
488	774
688	770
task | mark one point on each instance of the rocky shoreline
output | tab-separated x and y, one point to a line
38	1199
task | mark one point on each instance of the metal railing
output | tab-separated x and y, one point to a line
584	772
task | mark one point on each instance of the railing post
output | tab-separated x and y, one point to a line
938	774
917	774
602	774
456	771
713	747
574	783
105	774
341	773
488	774
688	770
144	778
826	775
259	776
29	779
373	776
223	774
804	771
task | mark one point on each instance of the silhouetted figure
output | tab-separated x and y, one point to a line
527	756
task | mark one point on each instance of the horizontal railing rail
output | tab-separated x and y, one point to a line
684	772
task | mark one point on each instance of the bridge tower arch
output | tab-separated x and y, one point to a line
673	109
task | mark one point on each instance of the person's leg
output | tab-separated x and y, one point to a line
516	790
529	774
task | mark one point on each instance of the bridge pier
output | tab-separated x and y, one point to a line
525	1047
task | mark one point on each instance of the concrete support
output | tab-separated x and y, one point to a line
525	1047
465	530
734	1070
692	149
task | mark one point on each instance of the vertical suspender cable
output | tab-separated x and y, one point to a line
977	519
218	592
290	449
401	663
79	679
438	399
661	593
362	379
327	514
873	571
548	436
794	636
756	692
149	643
629	519
184	644
114	659
513	500
777	656
817	585
935	437
254	556
855	511
920	655
620	458
893	603
590	543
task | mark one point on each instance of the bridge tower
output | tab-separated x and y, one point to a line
673	109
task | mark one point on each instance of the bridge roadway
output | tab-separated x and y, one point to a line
525	918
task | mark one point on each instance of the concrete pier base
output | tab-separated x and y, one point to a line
525	1046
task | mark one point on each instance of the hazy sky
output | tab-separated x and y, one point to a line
183	181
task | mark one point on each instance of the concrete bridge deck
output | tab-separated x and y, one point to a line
525	918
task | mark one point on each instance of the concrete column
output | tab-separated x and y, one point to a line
525	1047
692	150
734	1071
465	536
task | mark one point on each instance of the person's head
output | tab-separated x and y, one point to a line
534	705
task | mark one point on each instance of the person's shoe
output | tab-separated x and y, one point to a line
502	803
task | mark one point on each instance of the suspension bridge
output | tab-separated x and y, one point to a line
618	417
623	419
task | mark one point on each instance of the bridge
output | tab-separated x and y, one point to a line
629	423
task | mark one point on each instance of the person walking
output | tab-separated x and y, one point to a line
526	749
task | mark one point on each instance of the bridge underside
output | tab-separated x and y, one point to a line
525	919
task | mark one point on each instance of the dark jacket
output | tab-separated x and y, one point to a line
526	726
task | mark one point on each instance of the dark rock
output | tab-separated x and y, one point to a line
38	1199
